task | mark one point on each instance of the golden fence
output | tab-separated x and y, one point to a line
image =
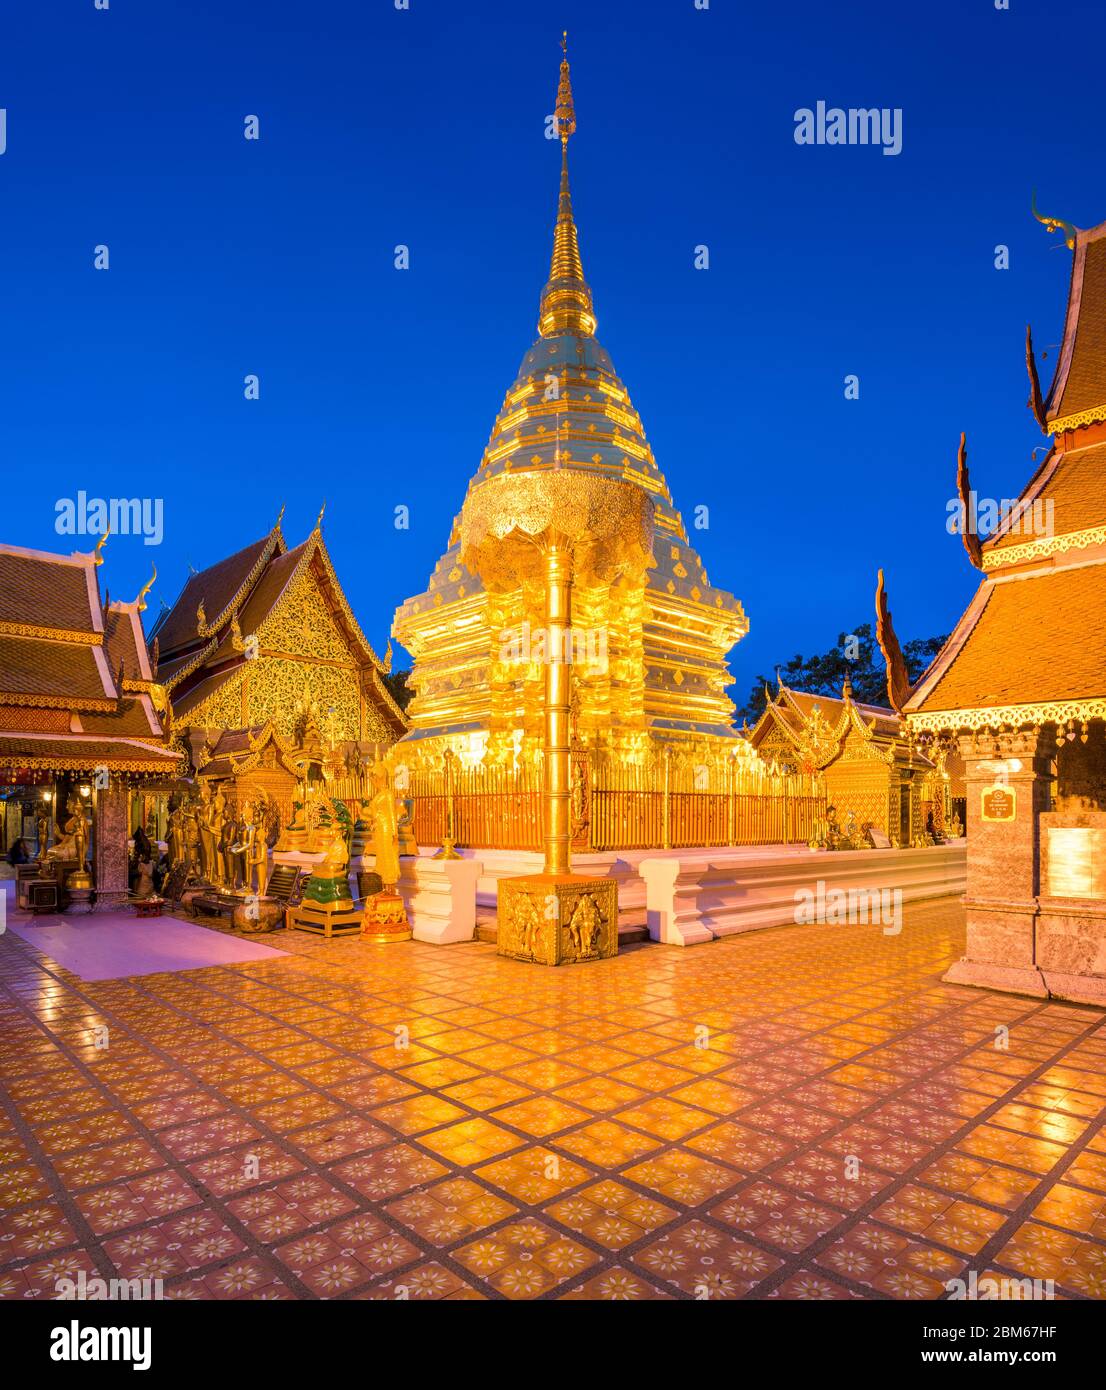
618	806
493	807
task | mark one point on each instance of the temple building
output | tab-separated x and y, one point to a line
81	715
1021	683
868	765
649	651
266	669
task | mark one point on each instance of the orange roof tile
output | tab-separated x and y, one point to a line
122	644
130	721
1080	381
1074	483
45	591
36	666
1033	640
215	587
77	754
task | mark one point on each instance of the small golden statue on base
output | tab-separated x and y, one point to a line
385	917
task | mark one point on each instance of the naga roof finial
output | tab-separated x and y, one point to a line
98	553
968	532
319	518
140	601
1056	224
898	678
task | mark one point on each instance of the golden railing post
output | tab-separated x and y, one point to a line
731	803
449	839
666	809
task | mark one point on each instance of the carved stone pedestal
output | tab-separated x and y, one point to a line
557	919
385	918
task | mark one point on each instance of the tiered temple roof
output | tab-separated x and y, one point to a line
816	727
1031	646
263	629
76	689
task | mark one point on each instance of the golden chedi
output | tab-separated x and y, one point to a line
649	634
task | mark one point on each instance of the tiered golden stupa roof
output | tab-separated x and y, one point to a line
1031	647
567	409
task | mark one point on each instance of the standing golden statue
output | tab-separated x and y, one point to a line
207	817
255	855
385	916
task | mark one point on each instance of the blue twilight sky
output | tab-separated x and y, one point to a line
426	126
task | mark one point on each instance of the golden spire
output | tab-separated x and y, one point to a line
566	305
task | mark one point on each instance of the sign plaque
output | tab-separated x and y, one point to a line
999	804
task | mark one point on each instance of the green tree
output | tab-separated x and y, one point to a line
400	691
856	656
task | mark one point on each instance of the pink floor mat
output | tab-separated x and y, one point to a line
115	945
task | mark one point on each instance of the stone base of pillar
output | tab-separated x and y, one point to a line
557	919
1013	979
1076	989
440	898
109	902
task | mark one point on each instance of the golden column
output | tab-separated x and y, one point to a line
558	699
560	527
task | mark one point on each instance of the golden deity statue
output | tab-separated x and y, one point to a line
255	851
385	916
297	835
175	836
385	826
72	844
207	818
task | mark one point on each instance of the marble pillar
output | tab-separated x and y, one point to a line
110	833
1008	782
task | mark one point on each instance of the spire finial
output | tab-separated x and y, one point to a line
319	518
98	553
566	306
565	110
280	516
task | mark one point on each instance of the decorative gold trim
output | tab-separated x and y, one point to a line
1091	416
194	662
69	702
1047	545
52	634
162	765
337	595
1008	716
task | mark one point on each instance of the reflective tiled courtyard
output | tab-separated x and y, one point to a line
804	1113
